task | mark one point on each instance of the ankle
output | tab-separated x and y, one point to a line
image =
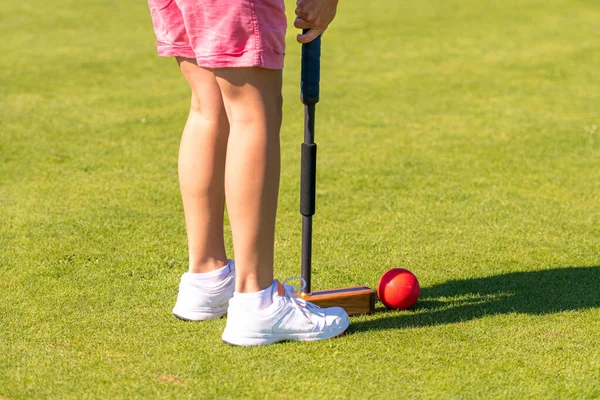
249	282
206	265
250	285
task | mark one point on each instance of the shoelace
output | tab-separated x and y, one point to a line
305	307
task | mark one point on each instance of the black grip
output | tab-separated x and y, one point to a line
311	71
308	177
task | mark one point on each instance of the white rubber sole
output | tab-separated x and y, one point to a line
188	315
259	339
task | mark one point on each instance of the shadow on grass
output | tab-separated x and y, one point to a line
535	292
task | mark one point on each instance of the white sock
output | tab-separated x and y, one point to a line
258	300
213	276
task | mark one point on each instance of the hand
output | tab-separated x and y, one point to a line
315	15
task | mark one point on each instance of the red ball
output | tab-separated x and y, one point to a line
398	288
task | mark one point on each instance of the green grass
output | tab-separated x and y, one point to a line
456	140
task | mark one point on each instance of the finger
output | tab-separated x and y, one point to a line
301	13
310	35
301	24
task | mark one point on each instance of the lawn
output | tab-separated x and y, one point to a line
457	138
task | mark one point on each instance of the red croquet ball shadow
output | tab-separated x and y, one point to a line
398	288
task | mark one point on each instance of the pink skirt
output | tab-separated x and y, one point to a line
221	33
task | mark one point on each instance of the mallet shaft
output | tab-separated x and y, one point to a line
309	94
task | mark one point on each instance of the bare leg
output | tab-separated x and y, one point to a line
202	169
252	98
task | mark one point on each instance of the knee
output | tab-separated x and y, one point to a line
265	109
213	111
251	95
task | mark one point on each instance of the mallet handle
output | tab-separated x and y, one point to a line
310	73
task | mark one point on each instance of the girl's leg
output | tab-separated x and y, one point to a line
262	311
202	169
253	101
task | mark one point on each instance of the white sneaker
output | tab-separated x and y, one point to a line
199	301
288	318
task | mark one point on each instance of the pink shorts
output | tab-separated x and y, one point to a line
221	33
